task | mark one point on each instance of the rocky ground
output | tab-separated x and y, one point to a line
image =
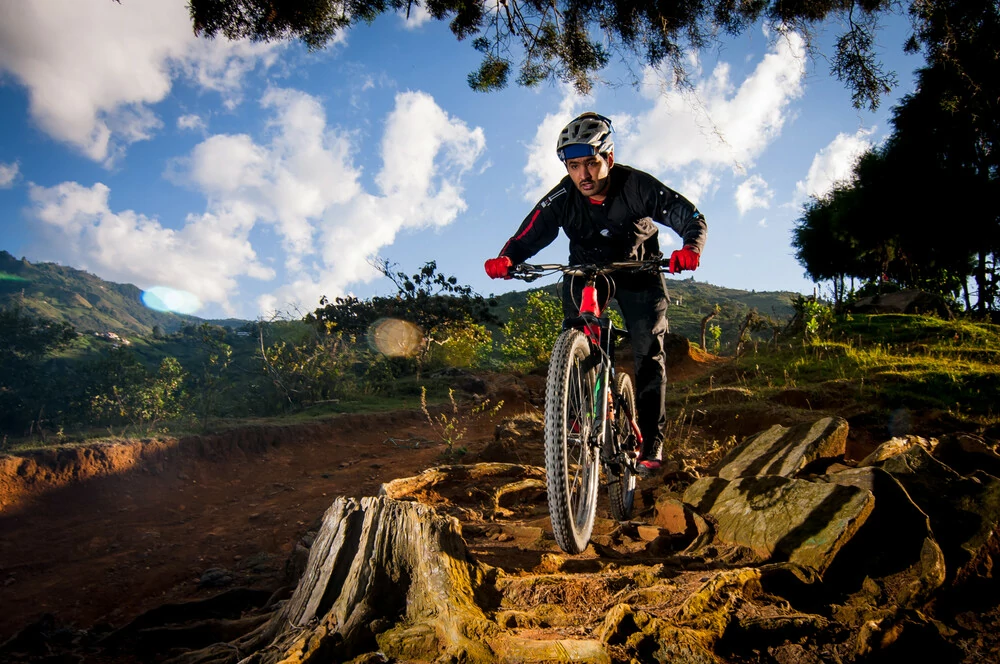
811	542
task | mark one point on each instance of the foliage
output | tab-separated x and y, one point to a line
452	427
813	318
531	331
125	392
889	362
463	345
26	341
209	384
715	332
436	304
572	40
880	226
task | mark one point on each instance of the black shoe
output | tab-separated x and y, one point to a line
647	467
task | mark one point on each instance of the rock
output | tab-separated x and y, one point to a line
904	302
678	520
895	541
216	577
518	439
966	453
963	511
895	446
781	519
785	451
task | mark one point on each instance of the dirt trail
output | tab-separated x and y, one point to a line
107	548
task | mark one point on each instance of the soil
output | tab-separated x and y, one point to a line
98	536
92	538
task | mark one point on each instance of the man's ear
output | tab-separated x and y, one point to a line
611	159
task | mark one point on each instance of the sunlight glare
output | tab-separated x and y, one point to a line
163	298
395	337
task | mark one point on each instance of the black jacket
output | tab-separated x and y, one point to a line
617	229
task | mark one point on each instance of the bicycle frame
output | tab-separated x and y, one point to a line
601	334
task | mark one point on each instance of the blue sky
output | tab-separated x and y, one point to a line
259	177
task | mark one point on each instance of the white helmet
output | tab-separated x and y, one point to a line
588	134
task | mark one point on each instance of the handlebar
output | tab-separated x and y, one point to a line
529	272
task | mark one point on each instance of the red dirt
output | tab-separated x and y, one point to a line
98	535
150	518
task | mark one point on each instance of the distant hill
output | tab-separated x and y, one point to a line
84	300
690	301
92	304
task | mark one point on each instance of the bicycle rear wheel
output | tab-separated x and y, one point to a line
571	460
622	441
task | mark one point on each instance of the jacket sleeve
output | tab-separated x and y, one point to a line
665	206
538	229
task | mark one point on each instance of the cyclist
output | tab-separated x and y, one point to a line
607	211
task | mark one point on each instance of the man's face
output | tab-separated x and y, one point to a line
590	174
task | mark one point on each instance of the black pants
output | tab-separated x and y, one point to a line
643	301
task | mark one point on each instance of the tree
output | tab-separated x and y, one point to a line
920	210
26	342
125	392
432	304
531	331
572	40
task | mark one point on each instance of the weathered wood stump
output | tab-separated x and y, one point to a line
376	561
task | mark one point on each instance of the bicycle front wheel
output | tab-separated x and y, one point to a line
622	441
571	458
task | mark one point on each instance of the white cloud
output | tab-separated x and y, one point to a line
425	154
290	182
753	193
763	222
699	186
833	164
418	15
204	257
544	170
718	124
8	174
92	69
191	121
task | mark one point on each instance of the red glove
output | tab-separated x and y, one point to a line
684	259
499	268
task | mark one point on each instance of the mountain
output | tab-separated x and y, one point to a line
92	304
690	302
84	300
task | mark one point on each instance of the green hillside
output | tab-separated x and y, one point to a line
92	304
690	302
83	300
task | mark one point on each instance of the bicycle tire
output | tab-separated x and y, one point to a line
621	479
571	463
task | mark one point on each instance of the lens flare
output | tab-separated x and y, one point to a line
162	298
395	337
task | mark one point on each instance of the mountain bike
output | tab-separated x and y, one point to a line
590	415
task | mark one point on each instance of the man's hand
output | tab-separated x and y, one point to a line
499	268
684	259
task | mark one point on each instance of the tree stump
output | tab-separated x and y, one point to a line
383	575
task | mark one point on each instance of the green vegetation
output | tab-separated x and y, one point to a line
573	40
348	355
60	386
84	301
884	228
873	365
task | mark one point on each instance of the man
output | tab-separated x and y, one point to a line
607	210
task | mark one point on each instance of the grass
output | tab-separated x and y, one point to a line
882	362
864	364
